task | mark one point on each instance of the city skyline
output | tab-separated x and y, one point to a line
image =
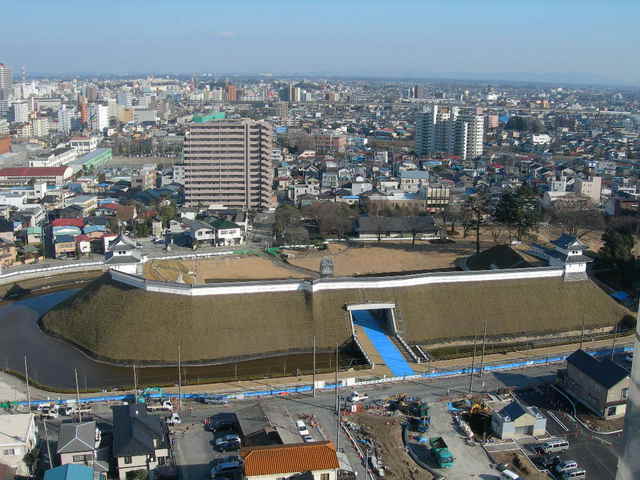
571	43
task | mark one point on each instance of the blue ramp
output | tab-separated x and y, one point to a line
393	358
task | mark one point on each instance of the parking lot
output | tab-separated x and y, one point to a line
596	453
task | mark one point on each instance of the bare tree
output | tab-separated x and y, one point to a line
577	221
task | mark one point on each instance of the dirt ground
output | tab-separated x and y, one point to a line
385	258
387	433
220	268
531	472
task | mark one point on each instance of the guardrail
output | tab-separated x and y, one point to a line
331	386
407	348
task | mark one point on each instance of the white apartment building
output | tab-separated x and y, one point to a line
65	118
591	188
98	117
84	145
21	111
40	127
444	129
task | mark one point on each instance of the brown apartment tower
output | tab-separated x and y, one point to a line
228	163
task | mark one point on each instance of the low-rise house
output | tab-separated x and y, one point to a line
317	460
600	385
34	235
412	180
140	440
7	254
227	233
516	420
18	436
79	443
64	246
199	232
88	203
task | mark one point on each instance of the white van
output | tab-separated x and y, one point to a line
566	465
302	428
509	475
555	446
574	474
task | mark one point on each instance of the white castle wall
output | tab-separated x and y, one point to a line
235	288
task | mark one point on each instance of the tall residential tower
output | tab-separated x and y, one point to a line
228	163
443	129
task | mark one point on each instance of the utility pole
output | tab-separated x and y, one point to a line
613	344
46	438
77	398
179	381
338	428
473	363
135	385
337	404
582	332
26	375
314	366
484	343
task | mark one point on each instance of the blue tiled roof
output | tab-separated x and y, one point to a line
69	472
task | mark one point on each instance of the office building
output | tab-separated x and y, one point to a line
443	129
228	163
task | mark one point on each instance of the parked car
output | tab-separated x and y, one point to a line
225	466
228	442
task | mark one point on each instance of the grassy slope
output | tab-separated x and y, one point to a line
125	323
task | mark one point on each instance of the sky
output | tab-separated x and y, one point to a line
537	39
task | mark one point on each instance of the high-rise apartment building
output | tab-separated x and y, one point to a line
66	116
446	130
282	110
228	163
21	111
5	82
231	93
5	89
98	117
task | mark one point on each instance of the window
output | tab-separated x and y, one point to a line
127	460
625	393
611	411
81	458
9	452
324	476
161	460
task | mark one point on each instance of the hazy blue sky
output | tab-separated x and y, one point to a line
348	37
